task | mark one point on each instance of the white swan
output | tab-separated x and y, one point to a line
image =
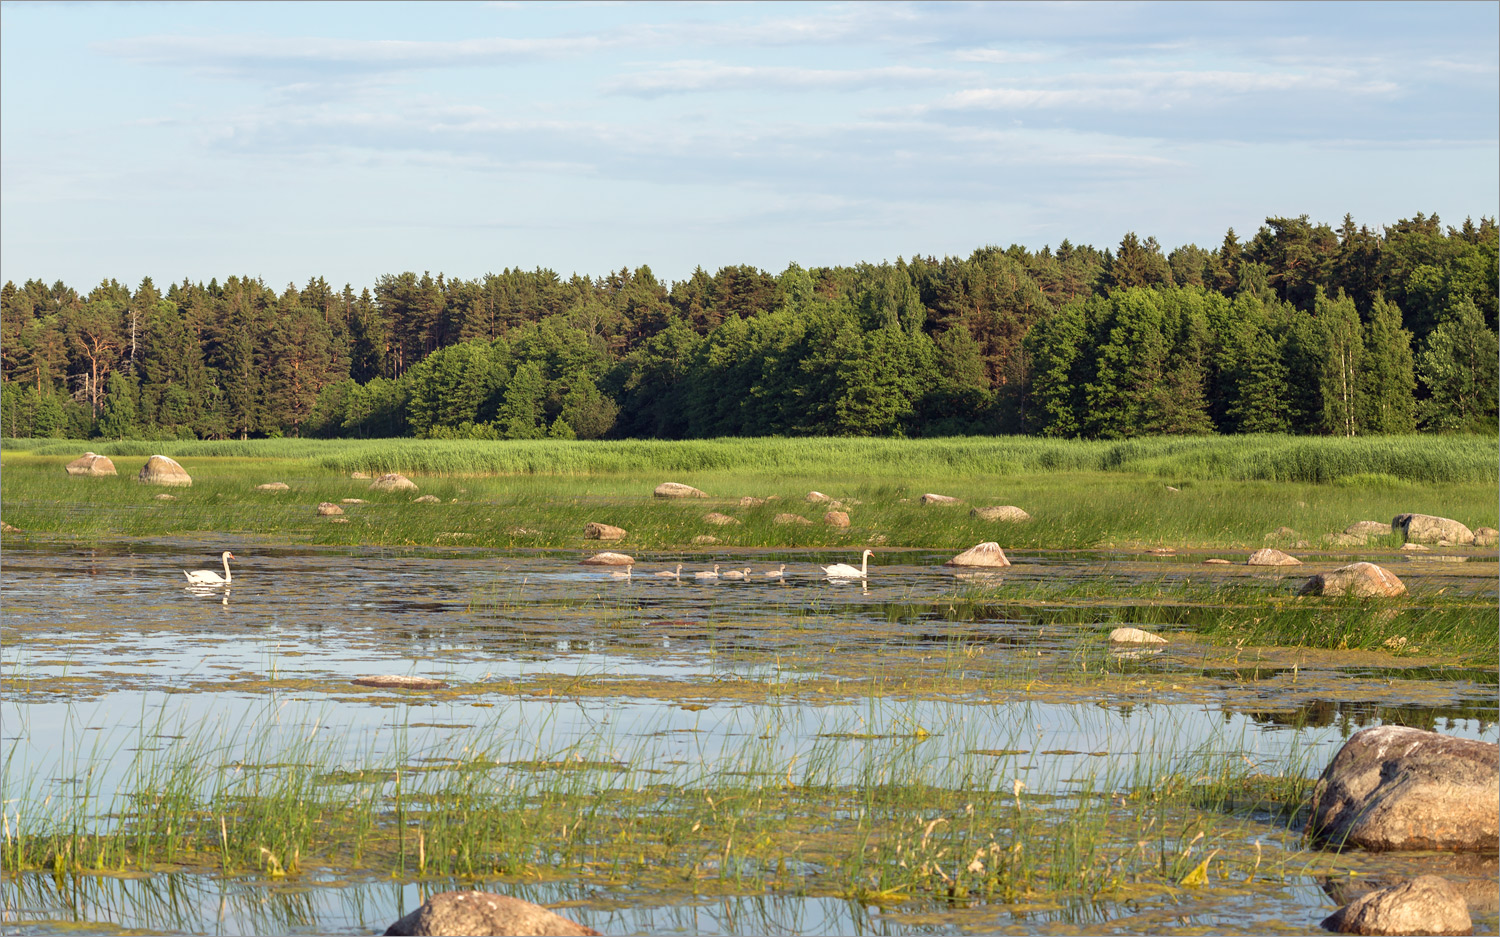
207	577
775	573
735	574
705	574
616	574
669	573
845	571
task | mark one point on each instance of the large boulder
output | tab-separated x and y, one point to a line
984	554
393	481
1270	557
91	465
1428	528
1397	788
1365	580
677	490
597	531
160	470
931	498
481	914
1001	512
1428	904
609	559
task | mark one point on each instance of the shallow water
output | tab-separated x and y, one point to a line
107	651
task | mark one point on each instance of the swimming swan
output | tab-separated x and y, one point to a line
670	574
705	574
207	577
776	573
735	574
845	571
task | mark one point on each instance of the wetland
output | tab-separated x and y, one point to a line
923	752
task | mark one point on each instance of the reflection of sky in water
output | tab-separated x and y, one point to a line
124	621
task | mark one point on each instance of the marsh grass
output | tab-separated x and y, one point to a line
889	819
1106	503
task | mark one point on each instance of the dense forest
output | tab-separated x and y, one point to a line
1303	328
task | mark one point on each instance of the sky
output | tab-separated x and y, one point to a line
352	140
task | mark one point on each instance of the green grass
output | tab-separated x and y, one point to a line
1080	494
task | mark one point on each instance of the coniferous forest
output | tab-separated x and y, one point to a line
1302	328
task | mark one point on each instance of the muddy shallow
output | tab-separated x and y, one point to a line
109	648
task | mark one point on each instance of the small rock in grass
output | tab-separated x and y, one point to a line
749	502
817	497
597	531
90	464
983	554
705	539
836	518
160	470
393	481
1002	512
1135	636
1173	489
399	681
485	915
790	519
1429	528
1270	557
1486	537
1215	561
1427	904
166	497
609	559
1281	533
719	520
354	501
1364	580
427	499
359	475
273	486
522	531
329	509
1367	529
931	498
1414	548
338	520
1398	788
677	490
6	528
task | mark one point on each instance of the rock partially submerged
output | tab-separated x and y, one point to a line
1002	512
1270	557
677	490
1429	528
1428	904
91	465
987	554
1364	580
1135	636
609	559
481	914
594	530
399	682
931	498
329	509
393	481
160	470
1397	788
1486	537
1216	561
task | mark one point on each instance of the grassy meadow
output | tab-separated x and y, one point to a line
1229	491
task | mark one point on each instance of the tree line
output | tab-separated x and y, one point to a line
1303	328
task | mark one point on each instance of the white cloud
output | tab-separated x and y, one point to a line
699	77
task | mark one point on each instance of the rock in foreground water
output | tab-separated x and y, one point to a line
983	554
1270	557
1135	636
1393	787
1427	904
609	559
481	914
1365	580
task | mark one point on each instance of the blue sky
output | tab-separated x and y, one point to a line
350	140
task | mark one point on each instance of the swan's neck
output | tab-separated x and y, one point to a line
226	567
864	564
